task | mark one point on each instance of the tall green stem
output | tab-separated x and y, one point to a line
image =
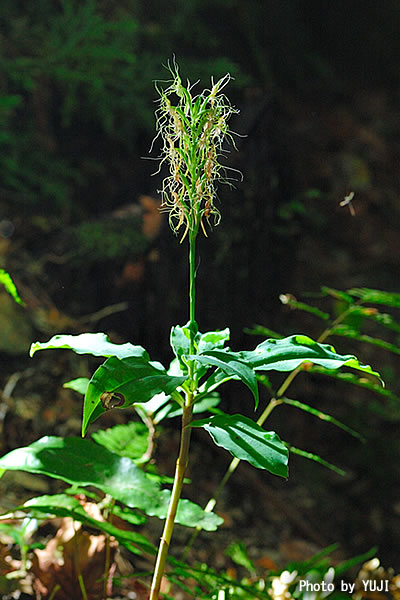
192	288
180	469
183	456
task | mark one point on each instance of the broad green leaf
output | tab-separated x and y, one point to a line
97	344
348	332
79	385
323	416
233	365
133	378
81	462
9	285
376	296
246	440
213	340
129	440
290	352
316	458
62	505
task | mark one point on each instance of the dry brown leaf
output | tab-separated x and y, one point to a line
73	552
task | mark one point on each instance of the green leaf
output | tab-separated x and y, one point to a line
354	379
134	379
264	331
128	514
376	296
213	340
238	553
97	344
157	408
337	294
212	382
62	505
383	319
8	284
233	365
389	411
322	416
291	301
355	560
248	441
348	332
81	462
129	440
316	458
180	342
288	353
79	385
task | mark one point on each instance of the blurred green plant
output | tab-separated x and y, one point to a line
76	76
7	283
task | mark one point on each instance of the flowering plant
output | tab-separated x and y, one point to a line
193	129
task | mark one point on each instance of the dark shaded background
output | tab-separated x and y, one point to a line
317	83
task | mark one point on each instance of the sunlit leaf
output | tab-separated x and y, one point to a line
9	285
132	379
348	332
79	385
233	365
246	440
376	296
212	340
290	352
81	462
180	342
97	344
